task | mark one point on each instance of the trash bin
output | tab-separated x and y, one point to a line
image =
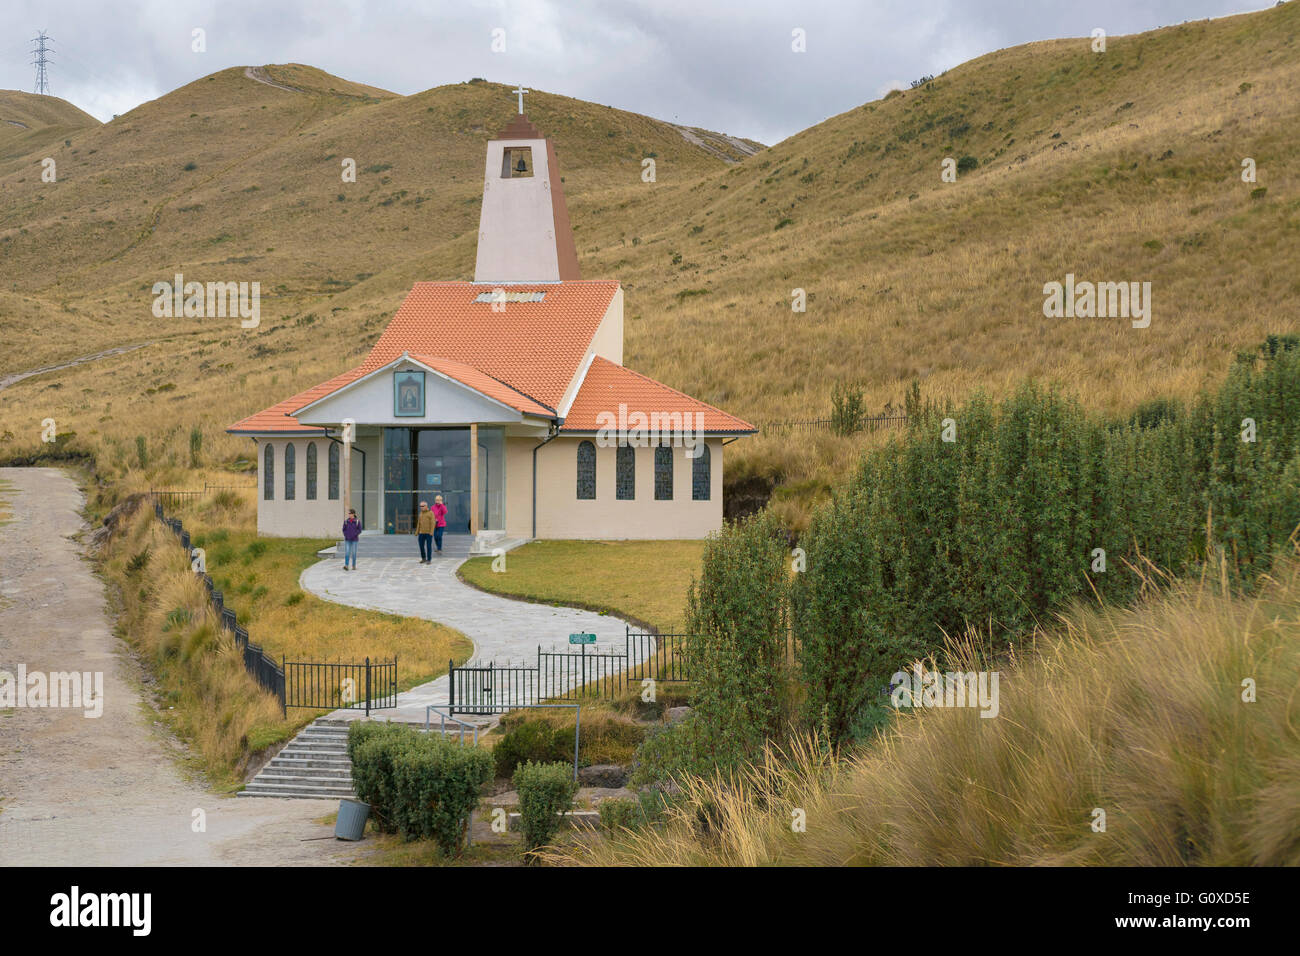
351	823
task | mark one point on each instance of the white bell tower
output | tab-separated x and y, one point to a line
523	232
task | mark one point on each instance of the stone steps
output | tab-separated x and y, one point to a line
314	765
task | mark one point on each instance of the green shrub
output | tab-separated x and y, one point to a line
671	753
620	814
1004	527
422	786
371	748
535	740
847	408
737	649
437	783
545	792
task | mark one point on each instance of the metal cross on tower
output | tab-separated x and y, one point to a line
521	91
39	55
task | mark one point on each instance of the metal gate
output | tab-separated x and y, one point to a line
322	686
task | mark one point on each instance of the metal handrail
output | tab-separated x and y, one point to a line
442	727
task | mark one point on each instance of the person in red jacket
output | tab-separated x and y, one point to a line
439	521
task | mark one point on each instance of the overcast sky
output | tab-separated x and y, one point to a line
721	64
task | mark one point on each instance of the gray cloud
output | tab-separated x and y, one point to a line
722	65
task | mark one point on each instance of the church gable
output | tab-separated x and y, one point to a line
411	391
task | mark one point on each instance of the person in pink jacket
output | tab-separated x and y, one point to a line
439	522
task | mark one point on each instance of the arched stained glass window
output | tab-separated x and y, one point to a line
268	472
334	472
663	473
625	473
701	475
586	471
290	468
311	471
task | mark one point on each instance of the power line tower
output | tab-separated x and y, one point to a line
39	55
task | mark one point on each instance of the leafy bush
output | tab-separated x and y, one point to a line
371	746
966	163
437	783
671	753
534	740
847	408
605	738
1006	525
422	786
620	814
737	649
545	792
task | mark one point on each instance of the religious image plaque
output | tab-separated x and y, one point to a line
408	394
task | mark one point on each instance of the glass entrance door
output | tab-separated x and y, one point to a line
442	468
421	463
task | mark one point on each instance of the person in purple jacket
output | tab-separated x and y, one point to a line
351	531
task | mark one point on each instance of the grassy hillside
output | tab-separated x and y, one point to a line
1122	166
28	122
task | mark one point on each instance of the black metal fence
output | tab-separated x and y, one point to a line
660	657
262	668
174	497
584	671
490	689
368	686
869	423
325	686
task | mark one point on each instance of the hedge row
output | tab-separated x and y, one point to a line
995	515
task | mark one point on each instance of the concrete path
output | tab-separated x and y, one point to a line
503	630
77	790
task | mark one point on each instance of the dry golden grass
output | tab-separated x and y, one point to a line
907	277
1137	712
204	691
259	579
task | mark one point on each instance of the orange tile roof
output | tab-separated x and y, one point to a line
528	351
278	418
607	385
534	347
486	385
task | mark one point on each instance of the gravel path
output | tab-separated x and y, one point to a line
108	791
503	630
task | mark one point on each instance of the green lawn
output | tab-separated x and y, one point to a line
643	580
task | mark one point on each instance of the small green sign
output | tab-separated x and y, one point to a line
582	638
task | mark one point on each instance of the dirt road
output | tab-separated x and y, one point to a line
108	791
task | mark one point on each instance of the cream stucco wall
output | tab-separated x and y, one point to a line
561	515
322	518
559	512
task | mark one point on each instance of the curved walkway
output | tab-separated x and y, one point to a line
504	630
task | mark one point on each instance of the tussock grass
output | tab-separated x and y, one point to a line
202	687
1138	712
